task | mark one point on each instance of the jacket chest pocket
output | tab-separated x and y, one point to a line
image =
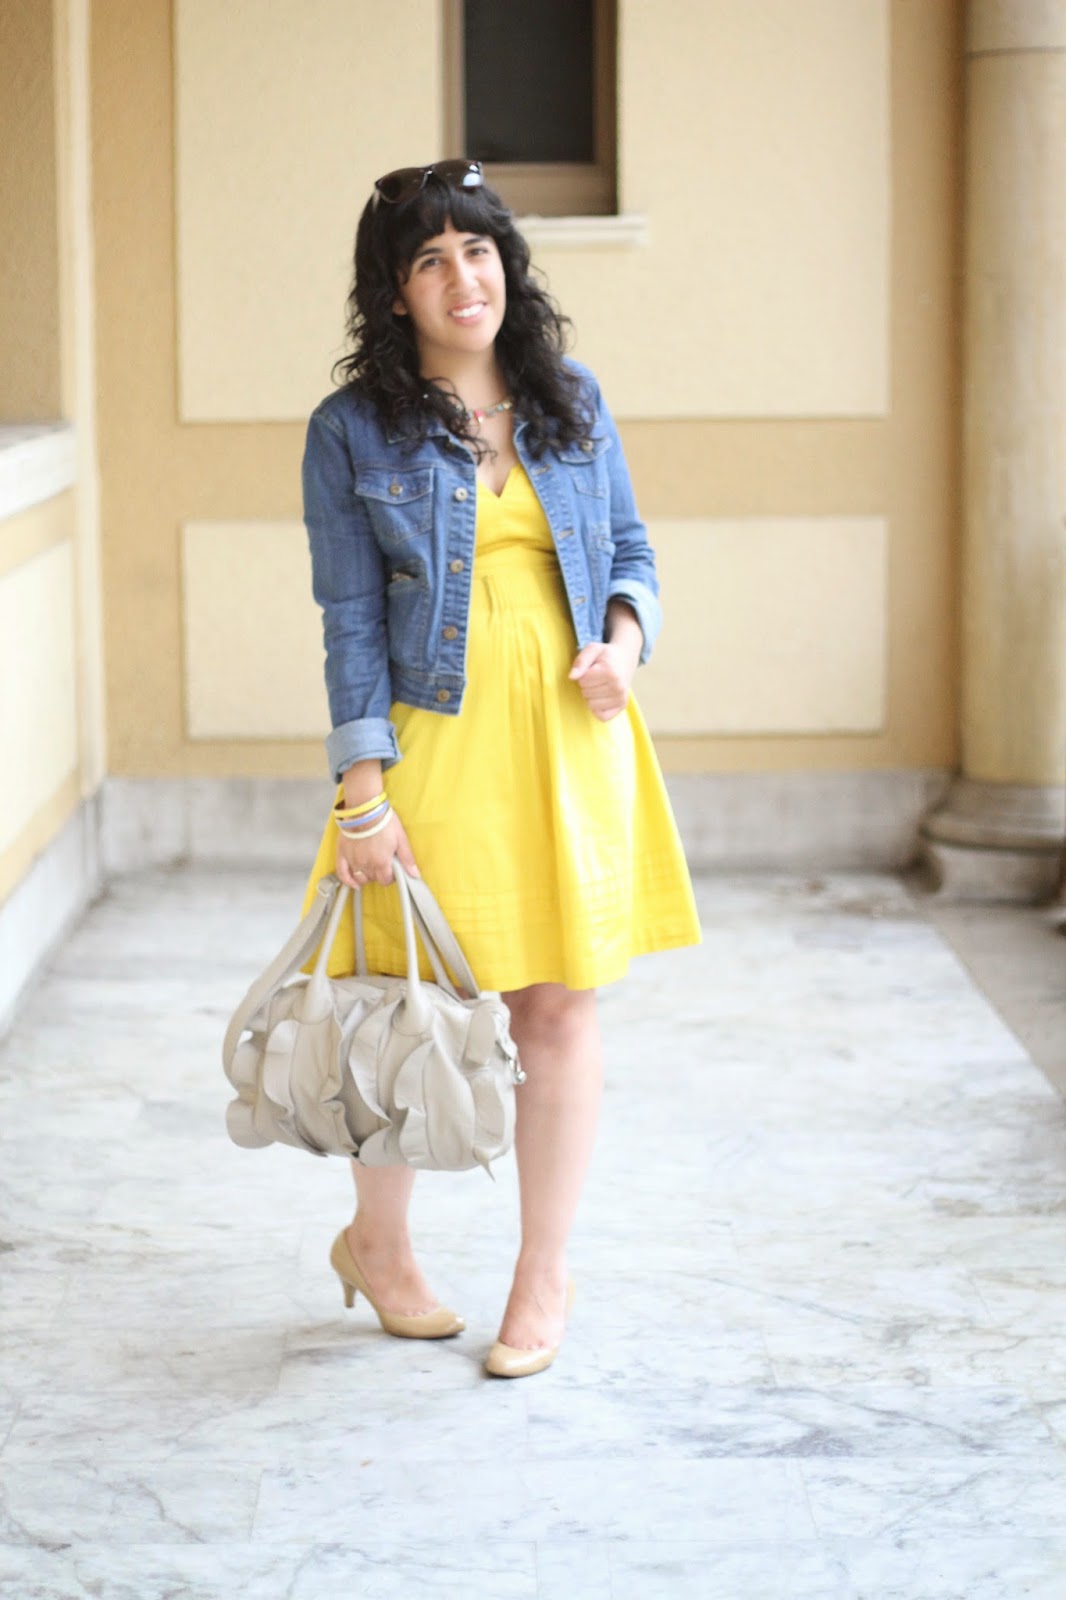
587	467
398	502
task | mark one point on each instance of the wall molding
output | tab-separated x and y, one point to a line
788	821
38	460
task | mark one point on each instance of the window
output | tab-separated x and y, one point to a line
530	92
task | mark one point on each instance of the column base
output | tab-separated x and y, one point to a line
995	841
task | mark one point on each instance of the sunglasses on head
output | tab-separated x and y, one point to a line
406	182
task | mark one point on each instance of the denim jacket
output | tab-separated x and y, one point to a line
391	528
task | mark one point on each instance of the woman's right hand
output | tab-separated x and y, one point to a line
362	861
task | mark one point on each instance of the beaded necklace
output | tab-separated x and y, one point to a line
507	404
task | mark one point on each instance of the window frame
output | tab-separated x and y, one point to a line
546	188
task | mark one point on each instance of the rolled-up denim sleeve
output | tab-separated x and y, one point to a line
633	577
348	581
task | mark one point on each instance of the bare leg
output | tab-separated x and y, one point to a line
558	1037
380	1243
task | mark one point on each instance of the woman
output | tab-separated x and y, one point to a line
488	591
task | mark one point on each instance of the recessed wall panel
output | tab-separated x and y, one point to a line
285	114
771	625
38	691
252	633
754	135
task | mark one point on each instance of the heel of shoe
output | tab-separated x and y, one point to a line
437	1324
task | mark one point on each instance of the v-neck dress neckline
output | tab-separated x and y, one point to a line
503	487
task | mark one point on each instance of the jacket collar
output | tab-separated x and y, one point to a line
435	428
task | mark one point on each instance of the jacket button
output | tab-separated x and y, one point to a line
586	445
564	533
450	632
461	494
580	600
442	695
455	566
395	488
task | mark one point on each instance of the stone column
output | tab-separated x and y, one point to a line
999	833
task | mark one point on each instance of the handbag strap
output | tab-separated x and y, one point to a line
421	915
450	966
436	931
327	906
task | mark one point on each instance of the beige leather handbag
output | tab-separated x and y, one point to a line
394	1071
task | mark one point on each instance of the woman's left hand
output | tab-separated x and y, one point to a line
603	672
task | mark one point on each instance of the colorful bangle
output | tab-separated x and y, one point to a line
368	833
343	812
347	823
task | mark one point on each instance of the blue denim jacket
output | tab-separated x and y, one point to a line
391	528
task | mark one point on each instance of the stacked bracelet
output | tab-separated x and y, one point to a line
368	833
351	813
356	824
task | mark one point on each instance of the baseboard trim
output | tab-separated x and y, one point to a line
46	903
735	821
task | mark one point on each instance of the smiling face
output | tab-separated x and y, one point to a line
455	294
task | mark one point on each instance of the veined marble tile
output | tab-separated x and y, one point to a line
943	1568
1053	1408
694	1571
706	1421
288	1571
156	1200
355	1352
202	1297
506	1499
748	1298
617	1359
1019	1196
30	1296
130	1244
59	1503
9	1404
576	1567
1026	1297
350	1356
351	1426
854	1244
63	1199
915	1352
971	1498
107	1360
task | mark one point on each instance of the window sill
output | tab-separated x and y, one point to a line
38	460
580	233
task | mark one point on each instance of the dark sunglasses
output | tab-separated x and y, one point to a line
406	182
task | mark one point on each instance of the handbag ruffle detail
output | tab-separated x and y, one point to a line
393	1071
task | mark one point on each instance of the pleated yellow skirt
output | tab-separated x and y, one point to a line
545	834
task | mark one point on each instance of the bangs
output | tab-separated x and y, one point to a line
412	222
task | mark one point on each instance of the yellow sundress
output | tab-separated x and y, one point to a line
545	834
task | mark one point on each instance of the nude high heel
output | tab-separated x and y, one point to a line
440	1323
506	1361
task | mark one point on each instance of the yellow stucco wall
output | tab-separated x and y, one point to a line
51	707
38	681
29	251
790	392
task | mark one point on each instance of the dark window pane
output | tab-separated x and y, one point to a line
529	84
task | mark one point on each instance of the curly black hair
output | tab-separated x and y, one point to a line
383	364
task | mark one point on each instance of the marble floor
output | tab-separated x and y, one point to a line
818	1350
